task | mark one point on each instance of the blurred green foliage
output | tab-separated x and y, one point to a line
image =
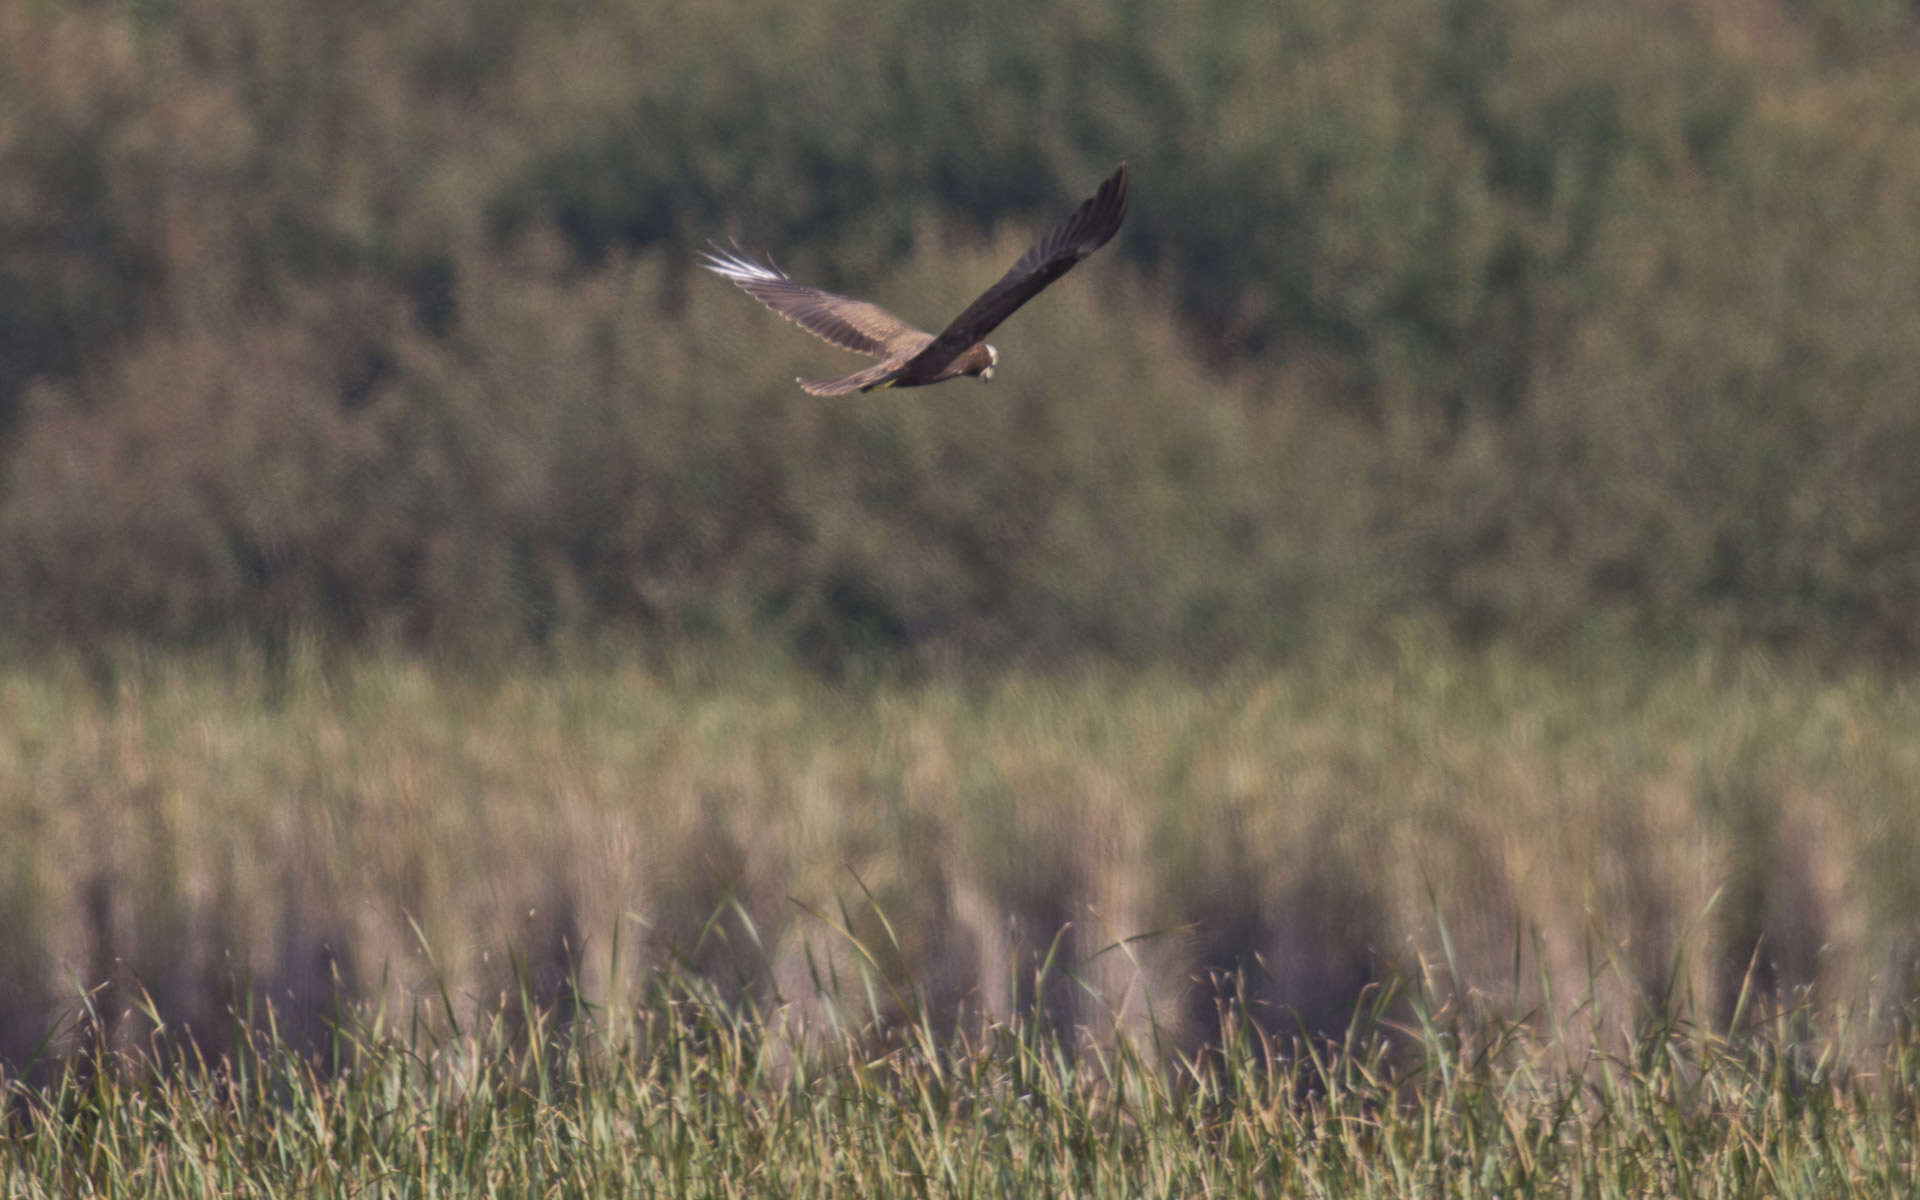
1530	316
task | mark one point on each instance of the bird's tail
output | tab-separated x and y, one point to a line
878	375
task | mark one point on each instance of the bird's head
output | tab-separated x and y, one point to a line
986	372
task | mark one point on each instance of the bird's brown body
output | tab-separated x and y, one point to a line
911	357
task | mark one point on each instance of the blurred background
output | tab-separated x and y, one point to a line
1477	488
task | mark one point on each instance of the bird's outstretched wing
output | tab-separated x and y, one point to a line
848	323
1088	229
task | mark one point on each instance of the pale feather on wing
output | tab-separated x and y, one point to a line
850	324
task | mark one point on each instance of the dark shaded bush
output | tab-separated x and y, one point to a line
1518	313
563	458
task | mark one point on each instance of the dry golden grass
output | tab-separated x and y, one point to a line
384	831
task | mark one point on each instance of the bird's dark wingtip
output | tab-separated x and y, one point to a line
1110	203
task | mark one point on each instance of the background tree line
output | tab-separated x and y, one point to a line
1525	317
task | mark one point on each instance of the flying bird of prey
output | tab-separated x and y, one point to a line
911	357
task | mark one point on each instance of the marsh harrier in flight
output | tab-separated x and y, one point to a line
911	357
